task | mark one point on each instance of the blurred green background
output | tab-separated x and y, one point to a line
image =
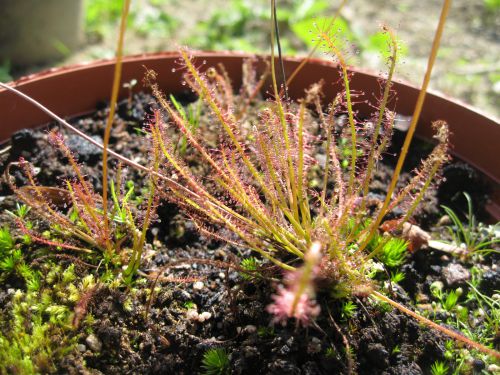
468	67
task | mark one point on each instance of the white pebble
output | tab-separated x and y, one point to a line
250	329
93	343
192	314
204	316
493	368
198	285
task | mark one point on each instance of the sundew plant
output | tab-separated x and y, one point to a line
256	183
255	191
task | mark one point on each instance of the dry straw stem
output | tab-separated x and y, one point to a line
109	122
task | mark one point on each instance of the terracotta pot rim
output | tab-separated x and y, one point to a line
202	53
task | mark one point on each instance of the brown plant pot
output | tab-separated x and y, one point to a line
75	90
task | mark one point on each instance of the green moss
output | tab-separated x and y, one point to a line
35	325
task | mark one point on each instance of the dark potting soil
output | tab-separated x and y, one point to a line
120	339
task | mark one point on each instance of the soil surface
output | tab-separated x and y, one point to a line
171	339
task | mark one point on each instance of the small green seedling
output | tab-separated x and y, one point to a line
192	117
475	236
439	368
348	310
397	277
249	264
188	305
449	300
215	362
